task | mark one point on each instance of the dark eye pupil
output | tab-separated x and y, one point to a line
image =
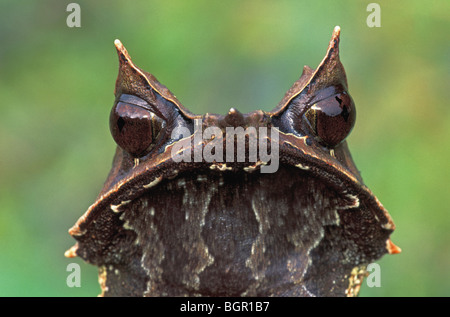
332	119
120	124
345	114
134	128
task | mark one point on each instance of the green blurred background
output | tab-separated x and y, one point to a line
56	88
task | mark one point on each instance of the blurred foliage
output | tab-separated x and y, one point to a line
56	87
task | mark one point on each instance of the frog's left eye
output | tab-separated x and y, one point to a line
332	118
133	126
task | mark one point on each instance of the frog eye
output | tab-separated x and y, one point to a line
332	119
133	126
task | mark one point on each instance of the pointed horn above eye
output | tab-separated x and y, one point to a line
331	59
122	51
130	80
134	81
334	42
329	72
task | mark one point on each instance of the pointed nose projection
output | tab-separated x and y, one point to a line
242	138
234	118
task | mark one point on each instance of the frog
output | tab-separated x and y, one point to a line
276	207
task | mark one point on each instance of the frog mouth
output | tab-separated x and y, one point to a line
229	212
335	171
289	217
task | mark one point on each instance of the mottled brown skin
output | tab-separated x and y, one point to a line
162	228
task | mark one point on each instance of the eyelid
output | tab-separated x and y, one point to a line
131	99
327	93
139	102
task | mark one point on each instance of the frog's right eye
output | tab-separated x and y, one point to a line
332	119
134	127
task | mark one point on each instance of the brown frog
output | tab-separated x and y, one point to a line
257	204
